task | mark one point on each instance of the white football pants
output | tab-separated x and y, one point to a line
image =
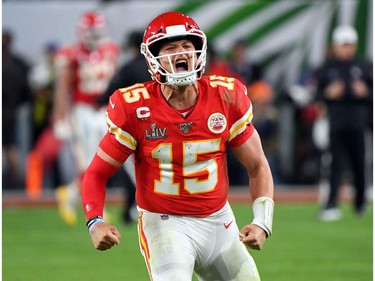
176	246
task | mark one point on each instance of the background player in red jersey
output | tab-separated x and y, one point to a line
83	73
178	127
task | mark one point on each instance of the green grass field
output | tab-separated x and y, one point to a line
37	246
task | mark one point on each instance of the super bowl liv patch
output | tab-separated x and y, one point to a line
155	132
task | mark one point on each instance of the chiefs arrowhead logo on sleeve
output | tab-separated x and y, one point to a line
217	123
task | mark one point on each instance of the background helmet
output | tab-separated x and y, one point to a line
92	30
173	26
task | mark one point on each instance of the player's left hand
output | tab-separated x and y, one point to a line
253	236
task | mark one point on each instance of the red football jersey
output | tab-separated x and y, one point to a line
180	163
91	70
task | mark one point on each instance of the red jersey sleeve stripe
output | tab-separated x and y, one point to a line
240	125
121	136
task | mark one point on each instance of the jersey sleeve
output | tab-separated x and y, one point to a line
240	115
120	141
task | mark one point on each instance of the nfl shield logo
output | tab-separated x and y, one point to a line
164	217
185	127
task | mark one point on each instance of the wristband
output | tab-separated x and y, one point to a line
263	213
91	222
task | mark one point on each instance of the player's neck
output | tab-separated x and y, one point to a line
180	97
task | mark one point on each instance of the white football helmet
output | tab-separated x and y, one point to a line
172	26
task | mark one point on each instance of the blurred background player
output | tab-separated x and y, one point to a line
83	73
344	89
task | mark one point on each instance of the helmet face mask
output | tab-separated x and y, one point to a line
92	30
168	28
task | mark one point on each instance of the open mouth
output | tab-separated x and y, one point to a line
181	65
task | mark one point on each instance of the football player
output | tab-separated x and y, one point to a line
178	127
84	70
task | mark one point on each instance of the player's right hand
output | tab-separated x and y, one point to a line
105	236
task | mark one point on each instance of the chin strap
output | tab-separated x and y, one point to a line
263	213
181	81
